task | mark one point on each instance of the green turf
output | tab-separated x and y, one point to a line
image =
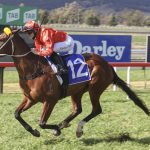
10	76
120	117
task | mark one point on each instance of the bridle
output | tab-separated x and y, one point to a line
37	73
13	47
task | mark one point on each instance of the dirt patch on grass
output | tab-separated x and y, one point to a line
15	88
11	88
140	84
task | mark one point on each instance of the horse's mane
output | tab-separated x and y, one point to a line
25	37
28	43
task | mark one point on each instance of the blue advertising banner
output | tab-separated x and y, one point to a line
113	48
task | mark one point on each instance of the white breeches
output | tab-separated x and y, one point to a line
66	46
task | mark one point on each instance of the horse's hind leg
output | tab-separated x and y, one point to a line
26	104
96	109
76	110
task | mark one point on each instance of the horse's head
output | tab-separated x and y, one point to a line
12	44
5	44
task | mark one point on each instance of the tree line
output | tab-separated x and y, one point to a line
74	13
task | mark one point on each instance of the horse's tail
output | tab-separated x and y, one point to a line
123	85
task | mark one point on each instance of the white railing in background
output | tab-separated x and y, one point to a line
115	65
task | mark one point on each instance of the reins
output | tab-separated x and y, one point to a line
6	41
34	75
13	48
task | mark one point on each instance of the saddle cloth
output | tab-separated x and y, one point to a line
78	71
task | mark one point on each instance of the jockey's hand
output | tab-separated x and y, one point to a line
34	50
44	53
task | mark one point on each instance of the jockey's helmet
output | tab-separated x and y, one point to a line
31	27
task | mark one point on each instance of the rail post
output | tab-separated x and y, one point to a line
114	86
1	79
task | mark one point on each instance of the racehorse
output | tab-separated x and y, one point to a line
39	84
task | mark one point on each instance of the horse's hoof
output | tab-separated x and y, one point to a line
56	132
79	134
36	133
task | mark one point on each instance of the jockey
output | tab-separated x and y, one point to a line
49	42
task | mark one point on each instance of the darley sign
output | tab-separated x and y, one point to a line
114	48
17	15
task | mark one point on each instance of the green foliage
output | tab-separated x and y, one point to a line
91	17
113	21
133	18
69	14
75	13
93	20
147	21
43	15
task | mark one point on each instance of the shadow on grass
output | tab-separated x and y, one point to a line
93	141
121	138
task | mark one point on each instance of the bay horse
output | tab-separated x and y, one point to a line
39	84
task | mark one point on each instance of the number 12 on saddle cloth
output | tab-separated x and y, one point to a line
77	68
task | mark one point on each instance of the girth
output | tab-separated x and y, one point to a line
38	73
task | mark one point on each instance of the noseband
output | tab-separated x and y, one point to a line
13	47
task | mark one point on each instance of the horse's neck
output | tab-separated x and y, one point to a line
30	63
27	65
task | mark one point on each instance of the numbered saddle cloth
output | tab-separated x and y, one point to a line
77	68
78	71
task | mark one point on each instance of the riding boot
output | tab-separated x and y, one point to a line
62	70
58	61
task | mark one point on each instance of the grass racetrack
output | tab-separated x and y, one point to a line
121	126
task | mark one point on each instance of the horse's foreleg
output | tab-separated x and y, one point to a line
96	109
76	110
26	104
47	109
